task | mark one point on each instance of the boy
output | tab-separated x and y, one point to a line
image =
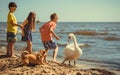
11	29
47	32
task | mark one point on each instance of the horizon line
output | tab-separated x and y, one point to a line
79	21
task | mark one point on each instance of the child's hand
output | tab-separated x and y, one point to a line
58	38
21	26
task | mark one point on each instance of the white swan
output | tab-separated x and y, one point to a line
72	51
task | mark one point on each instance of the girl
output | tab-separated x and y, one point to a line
28	27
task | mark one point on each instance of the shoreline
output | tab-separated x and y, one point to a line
13	66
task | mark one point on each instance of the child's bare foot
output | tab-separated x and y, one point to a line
55	61
13	56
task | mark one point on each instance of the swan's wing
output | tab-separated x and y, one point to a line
83	45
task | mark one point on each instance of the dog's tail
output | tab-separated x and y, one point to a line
24	53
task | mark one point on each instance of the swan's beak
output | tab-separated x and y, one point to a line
69	39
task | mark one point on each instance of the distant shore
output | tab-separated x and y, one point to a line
13	66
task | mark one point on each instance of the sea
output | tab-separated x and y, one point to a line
102	40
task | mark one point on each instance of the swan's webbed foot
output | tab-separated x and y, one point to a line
74	62
63	62
69	63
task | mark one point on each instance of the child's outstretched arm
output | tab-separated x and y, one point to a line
19	25
52	31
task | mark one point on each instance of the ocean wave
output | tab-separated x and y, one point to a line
5	30
112	38
112	63
62	44
89	33
90	60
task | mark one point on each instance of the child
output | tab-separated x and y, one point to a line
47	32
28	27
12	28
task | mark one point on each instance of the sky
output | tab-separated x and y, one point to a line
67	10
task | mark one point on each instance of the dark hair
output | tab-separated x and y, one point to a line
12	4
52	16
31	21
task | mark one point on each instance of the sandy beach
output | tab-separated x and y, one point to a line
13	66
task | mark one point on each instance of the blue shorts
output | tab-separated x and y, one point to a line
49	45
11	37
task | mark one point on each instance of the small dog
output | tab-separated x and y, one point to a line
33	58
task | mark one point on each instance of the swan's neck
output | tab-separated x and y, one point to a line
75	41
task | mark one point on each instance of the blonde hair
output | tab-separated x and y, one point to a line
31	21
